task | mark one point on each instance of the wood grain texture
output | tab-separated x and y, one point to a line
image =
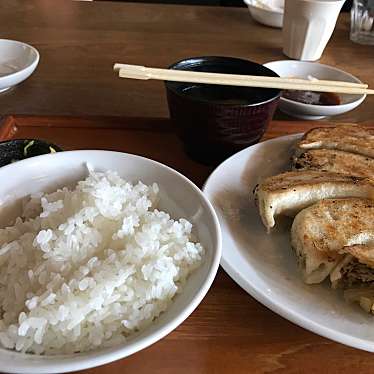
230	332
80	41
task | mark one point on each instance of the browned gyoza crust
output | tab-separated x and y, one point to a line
326	232
288	193
349	138
335	161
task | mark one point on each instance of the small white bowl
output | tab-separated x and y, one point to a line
268	17
302	69
17	62
178	195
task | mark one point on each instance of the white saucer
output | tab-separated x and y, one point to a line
303	69
17	62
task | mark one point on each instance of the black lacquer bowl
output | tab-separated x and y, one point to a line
216	121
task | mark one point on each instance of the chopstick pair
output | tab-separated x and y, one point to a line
145	73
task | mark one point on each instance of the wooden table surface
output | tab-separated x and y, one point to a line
80	41
230	332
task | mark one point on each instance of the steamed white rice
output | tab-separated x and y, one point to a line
88	267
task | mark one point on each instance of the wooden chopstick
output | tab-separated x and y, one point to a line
151	73
145	73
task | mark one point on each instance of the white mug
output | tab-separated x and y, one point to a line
308	26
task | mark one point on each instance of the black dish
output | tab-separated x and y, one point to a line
20	149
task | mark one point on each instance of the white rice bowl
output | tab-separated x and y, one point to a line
102	266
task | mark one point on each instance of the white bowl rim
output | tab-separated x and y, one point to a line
59	363
263	9
35	61
323	66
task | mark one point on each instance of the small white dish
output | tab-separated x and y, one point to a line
264	264
178	195
302	69
269	13
17	62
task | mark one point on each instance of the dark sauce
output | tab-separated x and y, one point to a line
225	94
311	97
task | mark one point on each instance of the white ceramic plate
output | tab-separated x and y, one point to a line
264	264
179	196
303	69
17	62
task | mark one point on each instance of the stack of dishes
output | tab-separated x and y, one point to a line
267	12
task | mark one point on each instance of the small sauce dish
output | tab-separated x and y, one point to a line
312	70
17	62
